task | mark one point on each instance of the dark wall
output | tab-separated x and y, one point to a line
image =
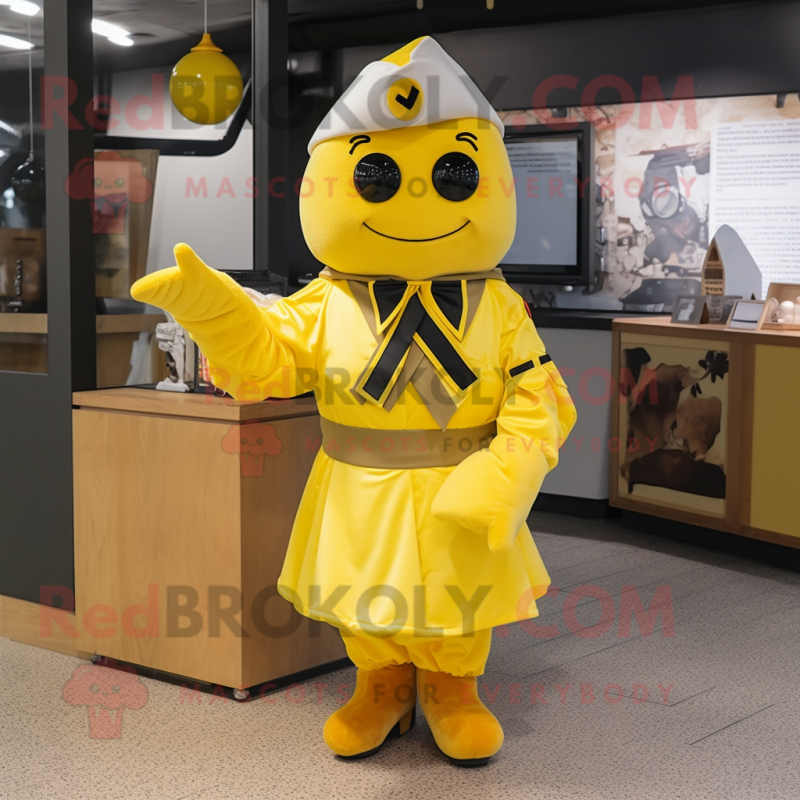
731	50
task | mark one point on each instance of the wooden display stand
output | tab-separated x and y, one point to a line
719	453
781	292
188	500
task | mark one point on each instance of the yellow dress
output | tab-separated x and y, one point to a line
366	551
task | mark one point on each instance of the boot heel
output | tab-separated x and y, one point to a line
404	724
407	722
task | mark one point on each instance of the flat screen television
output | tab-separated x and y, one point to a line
554	181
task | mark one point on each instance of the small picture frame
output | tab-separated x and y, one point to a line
747	315
720	307
690	310
727	307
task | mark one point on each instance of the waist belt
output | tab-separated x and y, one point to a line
406	449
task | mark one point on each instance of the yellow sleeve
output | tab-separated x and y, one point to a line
253	353
537	410
493	490
269	352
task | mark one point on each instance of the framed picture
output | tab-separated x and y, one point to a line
690	310
726	306
672	423
746	315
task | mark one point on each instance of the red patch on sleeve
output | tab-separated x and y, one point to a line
527	308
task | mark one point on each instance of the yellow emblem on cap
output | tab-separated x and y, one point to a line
405	99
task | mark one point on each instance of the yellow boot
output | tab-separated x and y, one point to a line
383	707
463	728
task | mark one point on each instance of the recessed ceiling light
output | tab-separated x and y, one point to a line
107	29
13	42
21	7
113	33
24	7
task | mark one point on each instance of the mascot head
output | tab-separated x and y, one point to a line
408	174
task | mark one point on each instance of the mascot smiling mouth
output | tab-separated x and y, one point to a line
431	239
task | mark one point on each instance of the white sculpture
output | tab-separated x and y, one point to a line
786	313
172	341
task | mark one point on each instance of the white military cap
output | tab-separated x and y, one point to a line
416	85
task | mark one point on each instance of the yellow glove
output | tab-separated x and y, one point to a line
194	294
226	324
492	491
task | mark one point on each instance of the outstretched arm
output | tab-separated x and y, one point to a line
253	352
492	491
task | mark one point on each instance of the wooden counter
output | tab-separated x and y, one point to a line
183	509
194	406
723	456
661	326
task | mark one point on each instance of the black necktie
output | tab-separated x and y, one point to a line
415	321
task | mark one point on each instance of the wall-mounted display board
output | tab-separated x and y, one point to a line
669	175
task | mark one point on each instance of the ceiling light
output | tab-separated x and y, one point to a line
107	29
16	44
113	33
24	7
21	7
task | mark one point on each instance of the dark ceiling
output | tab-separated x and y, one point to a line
332	24
162	29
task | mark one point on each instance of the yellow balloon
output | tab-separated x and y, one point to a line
205	85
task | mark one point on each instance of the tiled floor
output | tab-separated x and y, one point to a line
705	707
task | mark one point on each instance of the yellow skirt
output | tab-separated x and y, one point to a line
366	554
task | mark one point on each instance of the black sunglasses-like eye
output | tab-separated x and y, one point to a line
455	176
376	177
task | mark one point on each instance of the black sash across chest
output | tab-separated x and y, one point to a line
415	320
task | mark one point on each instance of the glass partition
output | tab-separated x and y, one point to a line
160	176
23	265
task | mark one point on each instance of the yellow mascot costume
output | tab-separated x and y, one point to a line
441	412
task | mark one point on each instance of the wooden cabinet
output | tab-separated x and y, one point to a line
183	509
705	426
774	500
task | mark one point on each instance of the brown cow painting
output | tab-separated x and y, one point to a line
671	427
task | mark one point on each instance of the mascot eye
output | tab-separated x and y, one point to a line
376	177
119	182
455	176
